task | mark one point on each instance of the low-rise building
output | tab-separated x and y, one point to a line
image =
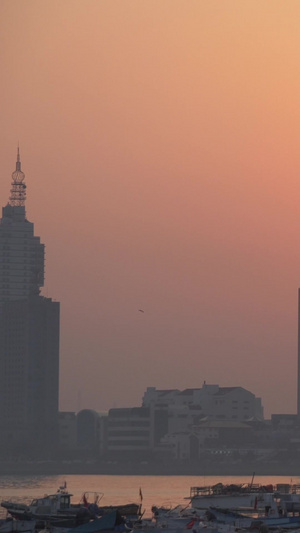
129	431
91	434
67	430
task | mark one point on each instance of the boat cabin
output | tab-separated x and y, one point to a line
52	503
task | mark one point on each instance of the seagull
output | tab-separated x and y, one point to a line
141	311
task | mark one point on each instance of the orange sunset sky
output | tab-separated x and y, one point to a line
161	145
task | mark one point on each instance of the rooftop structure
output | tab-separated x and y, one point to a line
21	253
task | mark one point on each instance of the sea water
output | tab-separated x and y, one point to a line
116	490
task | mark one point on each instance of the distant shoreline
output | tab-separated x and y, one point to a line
14	467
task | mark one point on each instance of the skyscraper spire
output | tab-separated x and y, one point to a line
18	187
18	163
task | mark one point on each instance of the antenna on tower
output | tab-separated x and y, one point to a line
79	401
18	163
18	187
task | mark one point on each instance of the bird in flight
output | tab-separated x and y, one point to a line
141	311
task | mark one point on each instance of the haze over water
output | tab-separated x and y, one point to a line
156	490
160	142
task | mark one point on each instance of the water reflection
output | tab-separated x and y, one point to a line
156	490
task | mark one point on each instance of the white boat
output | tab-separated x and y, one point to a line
194	526
247	496
177	517
273	520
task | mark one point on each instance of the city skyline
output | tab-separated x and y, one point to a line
160	143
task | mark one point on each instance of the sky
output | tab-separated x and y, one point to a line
160	142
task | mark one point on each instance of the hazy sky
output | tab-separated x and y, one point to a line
161	145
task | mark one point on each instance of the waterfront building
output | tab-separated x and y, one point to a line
129	431
29	333
91	431
67	431
217	402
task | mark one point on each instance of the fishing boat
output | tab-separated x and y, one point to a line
105	524
59	510
192	526
246	496
55	505
271	520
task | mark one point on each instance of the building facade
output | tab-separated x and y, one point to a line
91	431
29	333
212	401
129	431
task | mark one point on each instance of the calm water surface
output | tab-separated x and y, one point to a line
156	490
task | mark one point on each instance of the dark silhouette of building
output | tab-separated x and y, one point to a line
298	384
29	334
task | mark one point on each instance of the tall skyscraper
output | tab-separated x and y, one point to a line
298	380
29	333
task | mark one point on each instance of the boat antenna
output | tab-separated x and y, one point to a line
252	479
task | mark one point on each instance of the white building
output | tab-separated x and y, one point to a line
227	403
